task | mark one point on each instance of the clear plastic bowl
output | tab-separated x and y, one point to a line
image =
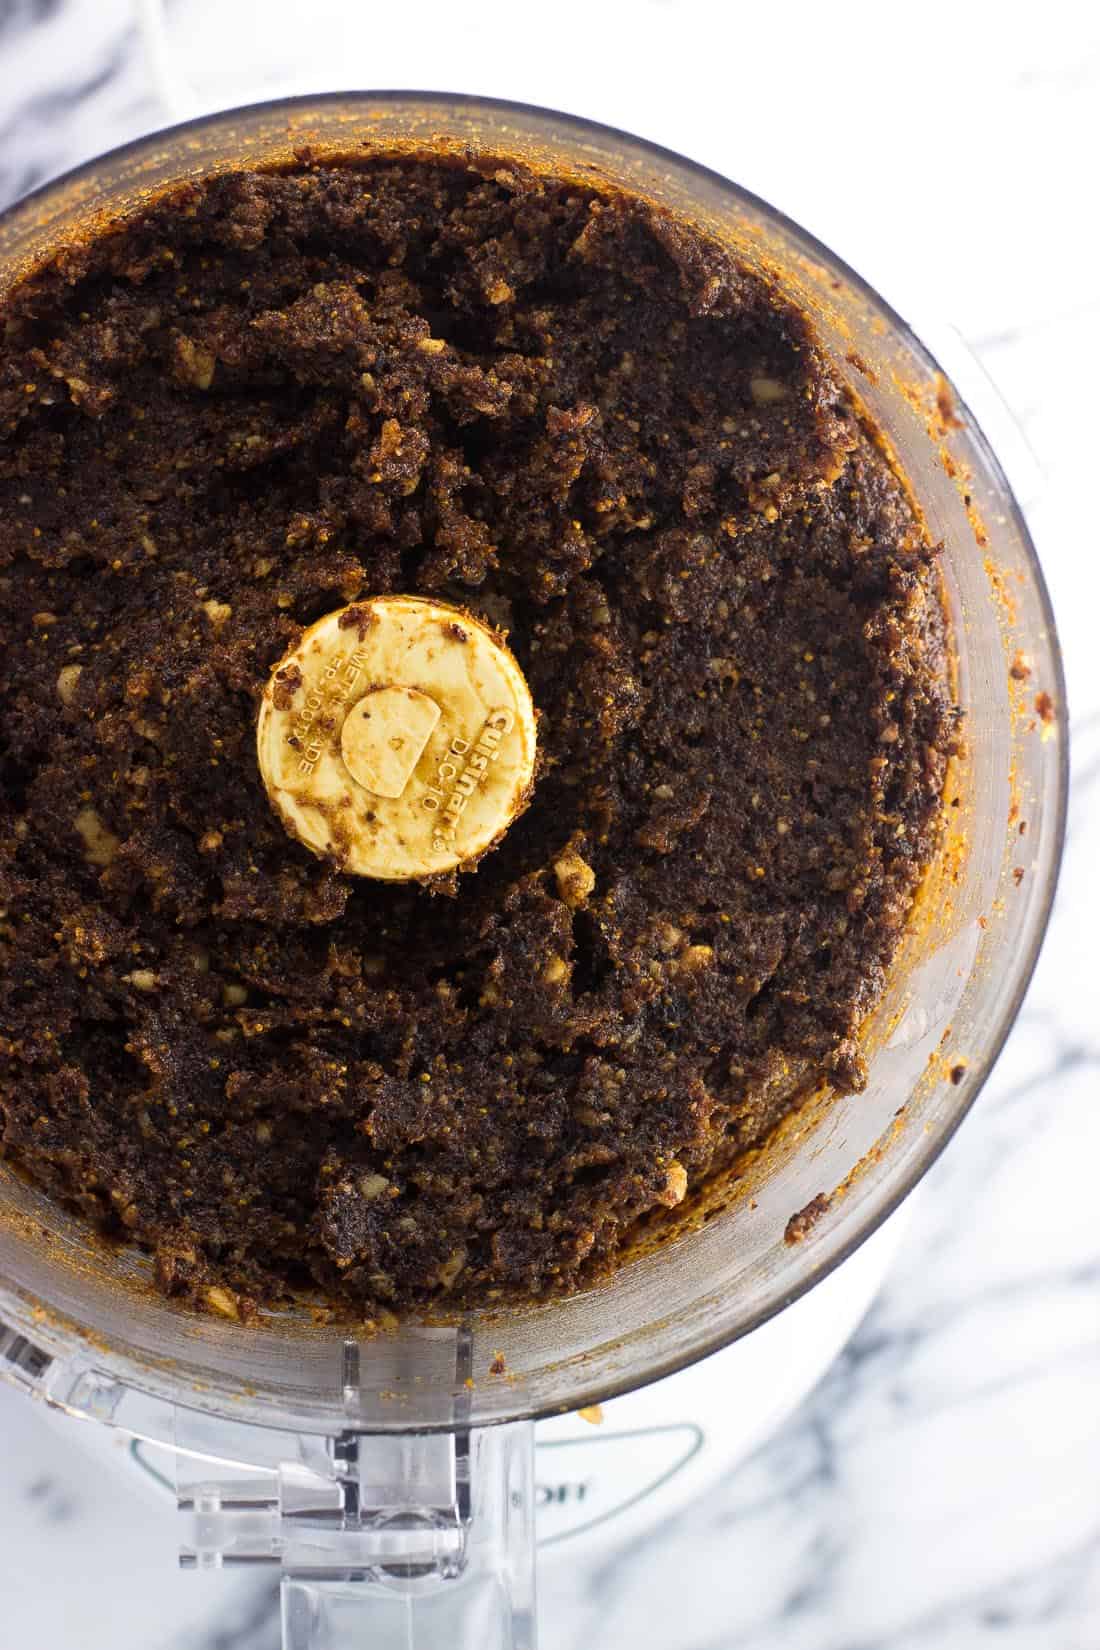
952	997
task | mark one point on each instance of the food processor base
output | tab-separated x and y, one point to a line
656	1449
607	1477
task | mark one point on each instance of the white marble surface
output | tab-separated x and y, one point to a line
940	1490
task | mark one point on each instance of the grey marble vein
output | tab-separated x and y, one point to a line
74	83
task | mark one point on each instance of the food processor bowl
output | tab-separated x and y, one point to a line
307	1427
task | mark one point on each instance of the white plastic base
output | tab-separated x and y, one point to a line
654	1449
658	1448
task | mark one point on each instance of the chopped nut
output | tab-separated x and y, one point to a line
372	1186
100	845
210	842
431	346
499	292
195	364
669	937
696	957
576	878
262	567
264	1133
765	390
556	970
217	612
67	678
451	1267
43	621
142	979
800	1225
663	793
676	1184
220	1300
724	668
234	995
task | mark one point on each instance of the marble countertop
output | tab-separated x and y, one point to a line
940	1489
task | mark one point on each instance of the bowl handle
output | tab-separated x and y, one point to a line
434	1546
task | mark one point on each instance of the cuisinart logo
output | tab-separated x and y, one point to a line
460	773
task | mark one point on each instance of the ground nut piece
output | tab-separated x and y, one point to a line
766	390
676	1184
725	669
221	1301
234	995
101	846
556	970
575	877
372	1186
669	937
695	958
217	612
67	678
451	1267
194	364
142	979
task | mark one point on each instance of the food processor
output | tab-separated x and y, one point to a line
392	1478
